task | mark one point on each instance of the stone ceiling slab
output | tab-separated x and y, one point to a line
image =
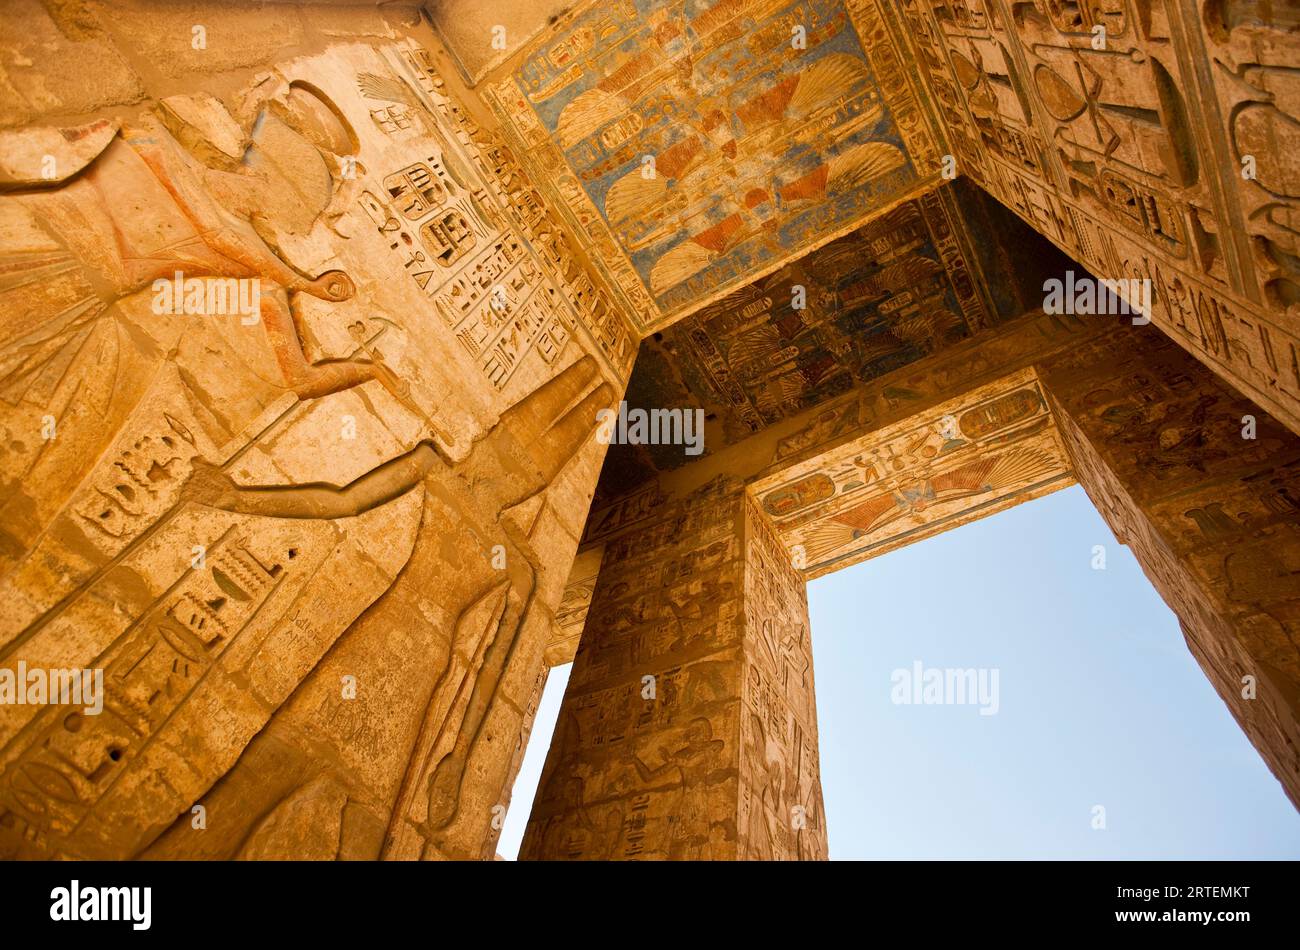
937	270
967	458
700	147
883	296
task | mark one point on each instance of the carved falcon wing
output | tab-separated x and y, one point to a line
384	88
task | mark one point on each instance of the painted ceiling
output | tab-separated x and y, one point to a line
700	145
965	459
931	273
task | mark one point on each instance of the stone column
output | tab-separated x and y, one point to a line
688	728
1205	489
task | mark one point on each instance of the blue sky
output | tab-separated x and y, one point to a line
1099	703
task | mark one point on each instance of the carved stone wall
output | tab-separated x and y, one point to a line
687	730
303	342
1150	139
1159	443
298	386
781	811
571	615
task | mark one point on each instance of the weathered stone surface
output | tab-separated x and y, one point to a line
970	457
571	617
481	35
308	319
1146	138
688	728
313	529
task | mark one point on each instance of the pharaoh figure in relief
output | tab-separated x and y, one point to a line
242	515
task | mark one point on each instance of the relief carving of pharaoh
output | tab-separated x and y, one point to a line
203	504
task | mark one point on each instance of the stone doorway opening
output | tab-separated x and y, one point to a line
1017	689
690	726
